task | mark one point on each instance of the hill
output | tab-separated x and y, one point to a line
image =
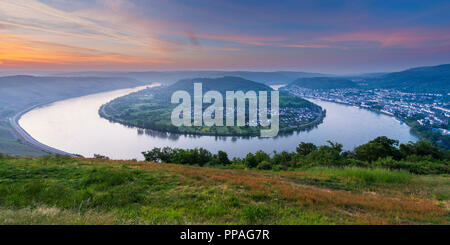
221	84
62	190
151	108
19	92
421	79
170	77
323	83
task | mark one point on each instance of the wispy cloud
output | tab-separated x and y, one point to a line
219	34
407	38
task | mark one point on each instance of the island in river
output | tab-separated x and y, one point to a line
151	108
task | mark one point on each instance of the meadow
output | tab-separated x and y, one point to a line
64	190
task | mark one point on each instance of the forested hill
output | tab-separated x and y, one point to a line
323	83
222	85
420	79
151	108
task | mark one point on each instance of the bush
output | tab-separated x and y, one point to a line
420	167
382	152
422	148
305	148
98	156
223	158
356	163
250	160
284	158
261	156
264	165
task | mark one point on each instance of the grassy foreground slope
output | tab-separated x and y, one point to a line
63	190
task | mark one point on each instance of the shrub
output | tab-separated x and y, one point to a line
250	160
223	158
422	148
261	156
98	156
264	165
305	148
420	167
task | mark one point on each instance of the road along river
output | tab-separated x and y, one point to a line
74	126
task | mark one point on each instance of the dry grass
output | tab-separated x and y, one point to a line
54	216
359	207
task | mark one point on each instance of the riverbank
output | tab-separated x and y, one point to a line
419	131
25	138
282	131
22	135
76	126
401	120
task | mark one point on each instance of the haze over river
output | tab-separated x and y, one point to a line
74	126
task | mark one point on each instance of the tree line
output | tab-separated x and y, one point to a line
419	157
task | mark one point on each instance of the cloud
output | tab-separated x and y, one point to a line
18	50
407	38
4	26
163	34
243	39
306	46
45	34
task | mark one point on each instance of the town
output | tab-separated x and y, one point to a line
427	109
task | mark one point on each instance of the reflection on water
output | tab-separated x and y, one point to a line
74	126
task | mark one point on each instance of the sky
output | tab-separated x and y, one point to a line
144	35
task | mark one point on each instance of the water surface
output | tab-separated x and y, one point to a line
74	126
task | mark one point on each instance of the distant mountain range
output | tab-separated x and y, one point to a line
20	92
221	84
169	77
420	79
323	83
431	79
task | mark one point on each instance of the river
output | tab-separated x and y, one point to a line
74	126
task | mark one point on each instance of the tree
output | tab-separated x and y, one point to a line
380	147
326	155
250	160
153	155
223	158
262	156
305	148
264	165
283	158
422	148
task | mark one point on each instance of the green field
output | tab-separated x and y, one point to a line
63	190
